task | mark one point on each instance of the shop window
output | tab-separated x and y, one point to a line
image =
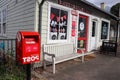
58	24
104	30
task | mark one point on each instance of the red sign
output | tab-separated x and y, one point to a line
74	5
27	47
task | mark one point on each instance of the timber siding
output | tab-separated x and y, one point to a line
44	30
20	16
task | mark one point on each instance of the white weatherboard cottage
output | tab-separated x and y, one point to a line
64	25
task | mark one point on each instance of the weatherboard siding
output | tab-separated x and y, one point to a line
44	29
20	16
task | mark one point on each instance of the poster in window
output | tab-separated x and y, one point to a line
58	24
81	44
104	30
82	27
73	28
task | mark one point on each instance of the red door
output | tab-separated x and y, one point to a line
82	32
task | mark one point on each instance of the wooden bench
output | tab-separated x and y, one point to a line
60	53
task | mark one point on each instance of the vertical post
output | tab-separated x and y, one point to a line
28	71
118	24
82	50
117	28
53	64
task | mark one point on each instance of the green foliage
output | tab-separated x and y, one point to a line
115	9
9	70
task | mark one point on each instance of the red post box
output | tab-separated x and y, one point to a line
27	47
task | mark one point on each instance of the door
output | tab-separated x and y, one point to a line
93	35
82	32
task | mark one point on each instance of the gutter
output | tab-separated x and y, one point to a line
40	16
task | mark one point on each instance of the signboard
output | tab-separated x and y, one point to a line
74	22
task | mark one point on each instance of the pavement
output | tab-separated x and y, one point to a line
98	67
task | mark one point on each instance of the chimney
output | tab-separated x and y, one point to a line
102	5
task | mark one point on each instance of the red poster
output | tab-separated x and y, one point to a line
73	32
74	20
73	24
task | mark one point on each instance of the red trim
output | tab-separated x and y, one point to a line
86	36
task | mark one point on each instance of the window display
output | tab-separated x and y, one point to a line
58	24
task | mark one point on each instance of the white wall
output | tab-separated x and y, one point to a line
98	31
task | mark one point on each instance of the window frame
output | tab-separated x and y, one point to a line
60	7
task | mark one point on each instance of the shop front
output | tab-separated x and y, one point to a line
67	25
71	23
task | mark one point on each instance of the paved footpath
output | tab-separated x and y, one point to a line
102	67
